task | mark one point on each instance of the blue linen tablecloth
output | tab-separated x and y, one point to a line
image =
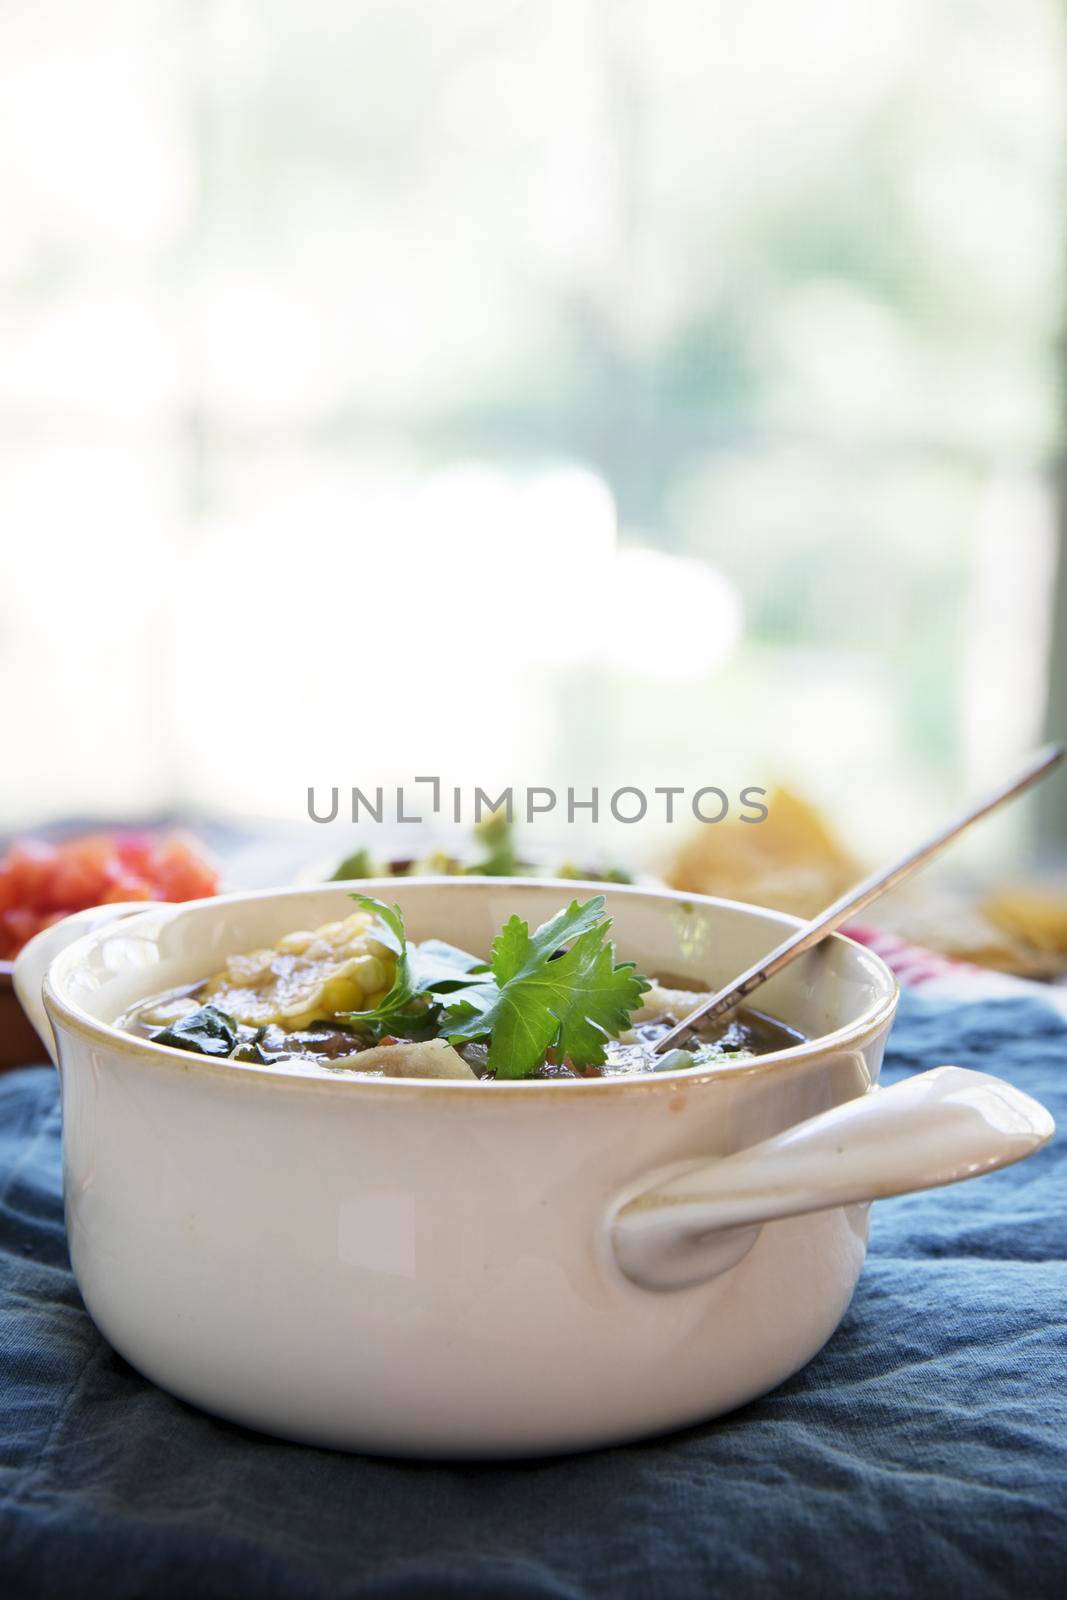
924	1451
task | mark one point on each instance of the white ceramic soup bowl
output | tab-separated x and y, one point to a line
484	1269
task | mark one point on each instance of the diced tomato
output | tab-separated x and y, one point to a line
95	849
181	873
40	882
136	851
127	888
77	881
30	863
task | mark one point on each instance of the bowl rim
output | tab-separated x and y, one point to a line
852	1035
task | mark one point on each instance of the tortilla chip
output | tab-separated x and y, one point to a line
790	862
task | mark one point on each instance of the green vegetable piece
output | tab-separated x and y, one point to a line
208	1032
254	1054
569	869
497	835
673	1061
705	1054
357	865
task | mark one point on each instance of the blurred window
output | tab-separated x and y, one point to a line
618	391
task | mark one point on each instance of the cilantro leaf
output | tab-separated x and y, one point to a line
567	924
575	1001
600	1000
388	930
439	966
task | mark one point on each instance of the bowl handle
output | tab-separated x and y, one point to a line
35	958
938	1127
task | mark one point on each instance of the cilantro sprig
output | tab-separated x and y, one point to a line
559	988
544	995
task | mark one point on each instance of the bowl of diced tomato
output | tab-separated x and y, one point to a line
42	881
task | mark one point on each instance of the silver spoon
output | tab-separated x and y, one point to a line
855	899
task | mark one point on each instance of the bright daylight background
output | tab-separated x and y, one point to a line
533	391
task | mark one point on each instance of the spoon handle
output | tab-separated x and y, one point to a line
857	898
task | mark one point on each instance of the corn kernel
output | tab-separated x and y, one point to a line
369	973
